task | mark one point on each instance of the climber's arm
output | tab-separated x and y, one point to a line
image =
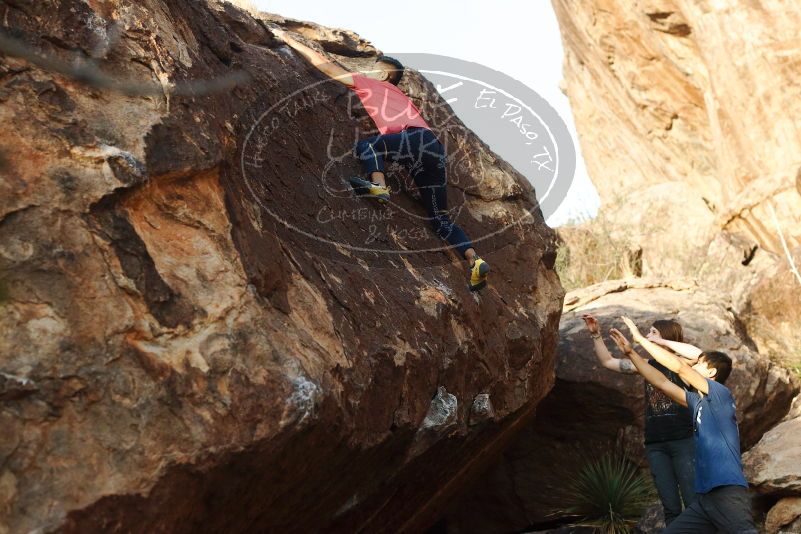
322	63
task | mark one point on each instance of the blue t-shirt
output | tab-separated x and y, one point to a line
717	439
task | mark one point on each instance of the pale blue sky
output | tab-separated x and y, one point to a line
518	38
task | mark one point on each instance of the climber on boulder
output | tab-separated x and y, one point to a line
405	138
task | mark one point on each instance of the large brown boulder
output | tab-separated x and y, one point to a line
784	517
176	356
591	409
771	311
773	466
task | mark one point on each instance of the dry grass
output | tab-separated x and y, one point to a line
592	252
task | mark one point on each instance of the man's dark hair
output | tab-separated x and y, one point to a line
396	75
719	361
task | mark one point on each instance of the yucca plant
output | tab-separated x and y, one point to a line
609	493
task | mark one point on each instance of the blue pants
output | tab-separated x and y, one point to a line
673	468
419	150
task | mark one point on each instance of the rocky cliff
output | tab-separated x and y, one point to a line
687	114
187	346
690	104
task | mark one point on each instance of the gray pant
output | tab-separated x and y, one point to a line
725	509
673	468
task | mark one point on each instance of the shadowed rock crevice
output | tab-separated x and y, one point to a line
167	306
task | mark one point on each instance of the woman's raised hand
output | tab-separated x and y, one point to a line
592	324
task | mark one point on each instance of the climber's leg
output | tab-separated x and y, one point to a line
374	150
372	158
372	153
429	175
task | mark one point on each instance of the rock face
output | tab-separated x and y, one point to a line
176	356
696	155
591	409
773	468
785	516
770	308
658	101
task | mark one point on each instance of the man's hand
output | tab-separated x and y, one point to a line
626	366
592	324
635	332
650	373
621	341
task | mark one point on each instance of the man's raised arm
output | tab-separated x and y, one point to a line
649	372
669	360
323	64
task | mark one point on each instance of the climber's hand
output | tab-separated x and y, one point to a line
318	60
621	341
592	324
278	32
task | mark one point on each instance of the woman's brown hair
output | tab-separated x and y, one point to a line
670	330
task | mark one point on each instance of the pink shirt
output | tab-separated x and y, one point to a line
390	109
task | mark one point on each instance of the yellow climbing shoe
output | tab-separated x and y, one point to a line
478	274
368	189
